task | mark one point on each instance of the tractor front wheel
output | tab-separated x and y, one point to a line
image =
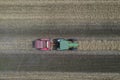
72	49
72	40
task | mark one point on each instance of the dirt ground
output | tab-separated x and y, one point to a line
22	21
58	76
61	12
99	45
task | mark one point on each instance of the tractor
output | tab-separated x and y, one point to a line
65	44
59	44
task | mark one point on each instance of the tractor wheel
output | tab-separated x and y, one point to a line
54	47
54	41
72	40
72	49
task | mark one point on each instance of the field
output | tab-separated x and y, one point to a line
58	76
95	23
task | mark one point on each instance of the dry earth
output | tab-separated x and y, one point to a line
99	45
20	20
60	12
58	76
18	43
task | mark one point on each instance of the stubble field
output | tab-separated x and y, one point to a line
94	23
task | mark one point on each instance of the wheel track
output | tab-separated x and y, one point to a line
84	45
93	45
20	44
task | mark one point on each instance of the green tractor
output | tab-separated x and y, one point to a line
65	44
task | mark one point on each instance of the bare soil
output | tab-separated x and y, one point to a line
99	45
58	76
72	18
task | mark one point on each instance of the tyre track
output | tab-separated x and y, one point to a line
99	45
84	45
58	76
